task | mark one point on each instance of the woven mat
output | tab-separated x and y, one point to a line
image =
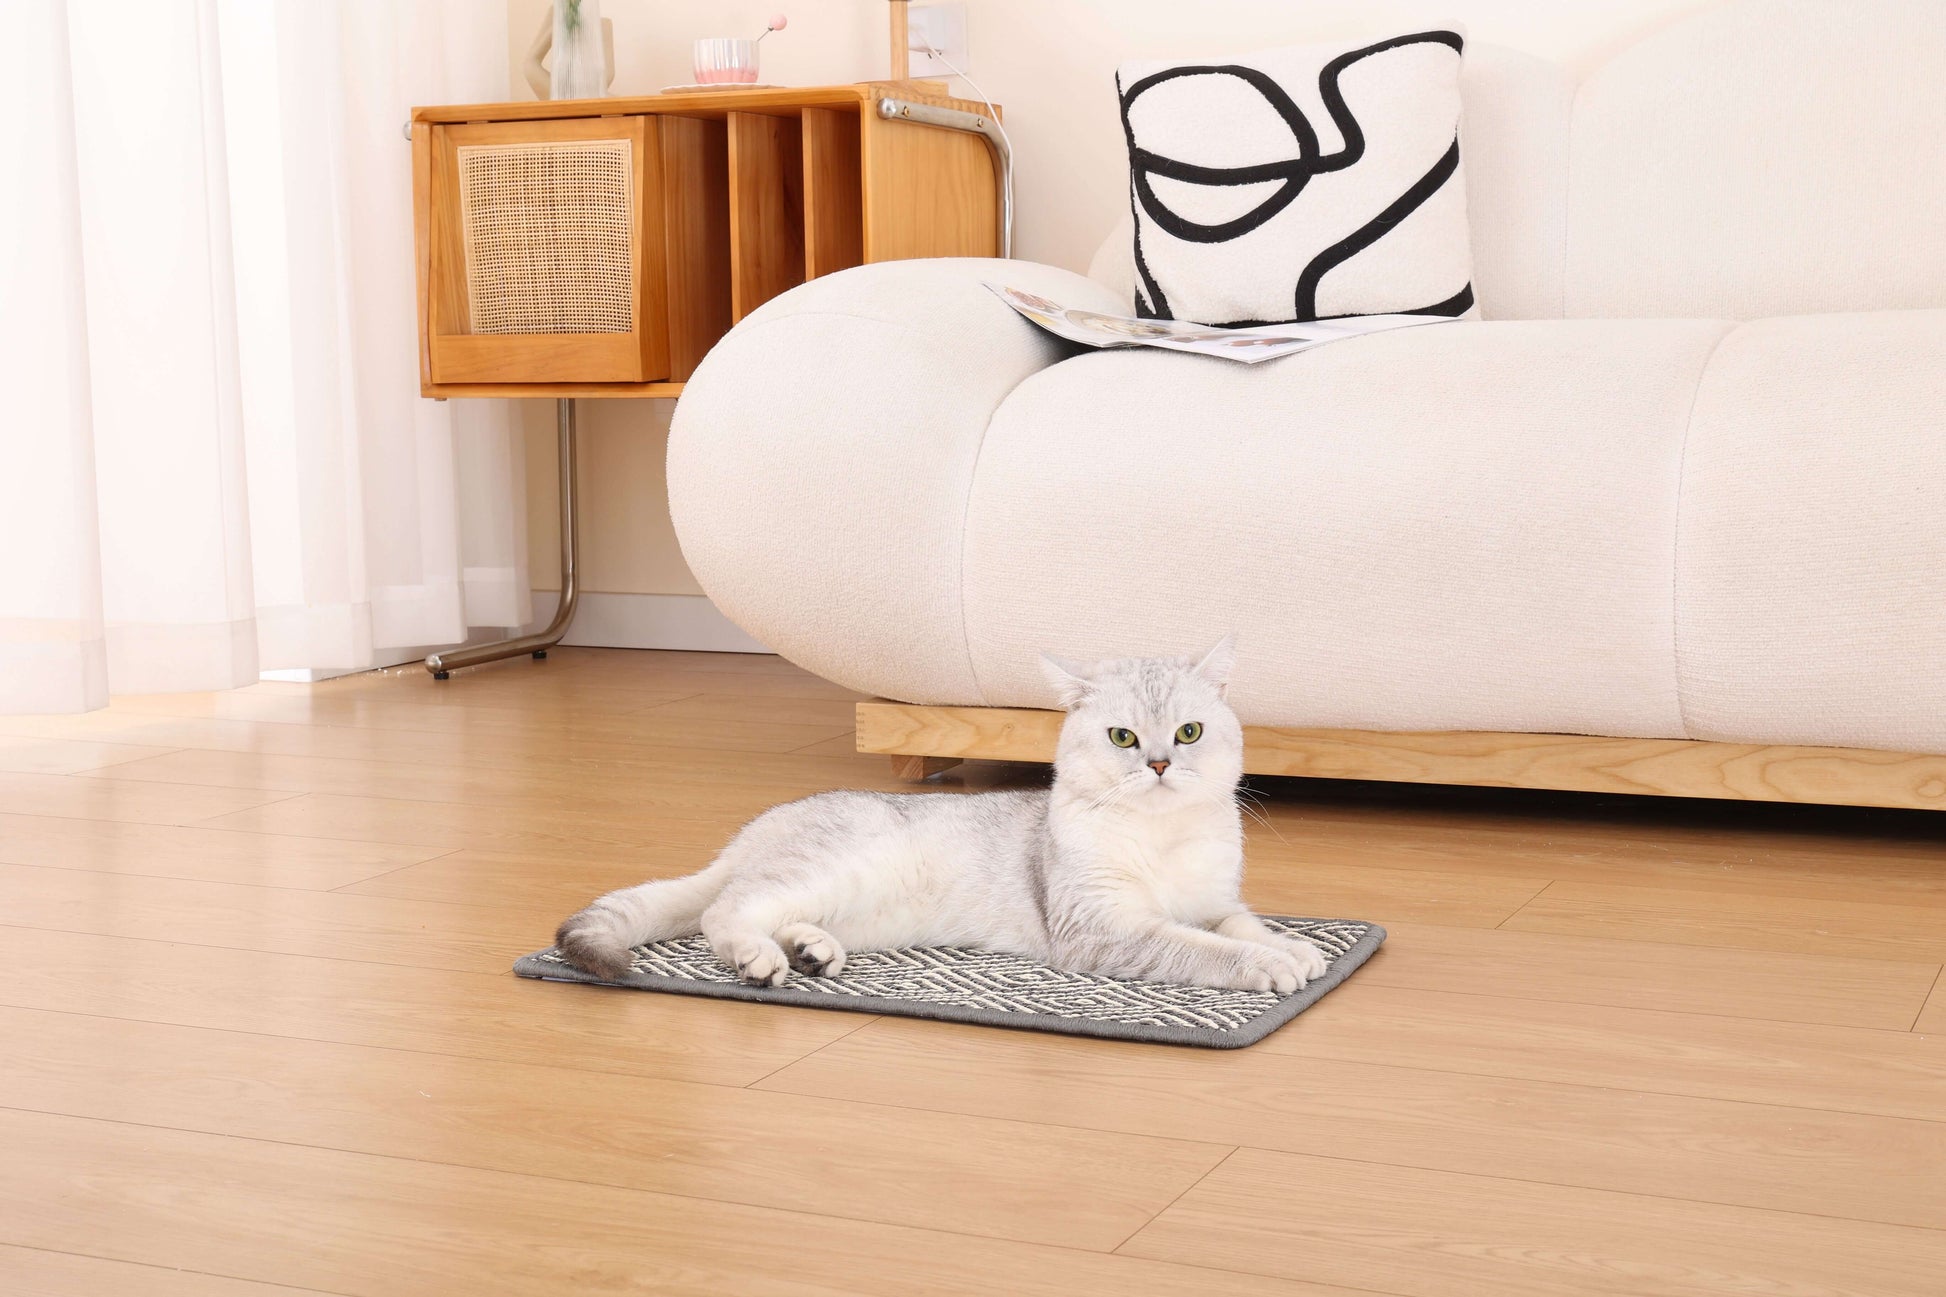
979	986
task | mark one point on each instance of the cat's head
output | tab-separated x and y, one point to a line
1149	733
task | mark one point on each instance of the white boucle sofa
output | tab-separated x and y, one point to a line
1686	480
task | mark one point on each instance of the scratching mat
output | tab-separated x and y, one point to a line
953	984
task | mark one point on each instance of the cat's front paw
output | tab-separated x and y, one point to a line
762	965
1310	958
1270	968
813	951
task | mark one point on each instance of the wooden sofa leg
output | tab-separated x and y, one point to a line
918	769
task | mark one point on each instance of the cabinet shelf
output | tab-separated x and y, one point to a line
662	387
600	247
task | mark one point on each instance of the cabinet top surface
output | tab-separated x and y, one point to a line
784	100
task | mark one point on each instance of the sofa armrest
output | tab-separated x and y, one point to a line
821	457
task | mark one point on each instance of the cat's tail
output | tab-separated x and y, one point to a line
600	937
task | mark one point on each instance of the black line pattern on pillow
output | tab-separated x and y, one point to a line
1295	173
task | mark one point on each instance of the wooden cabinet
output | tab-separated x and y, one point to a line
547	252
600	247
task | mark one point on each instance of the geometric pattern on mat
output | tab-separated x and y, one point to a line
984	986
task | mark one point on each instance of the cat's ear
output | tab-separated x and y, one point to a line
1071	680
1216	665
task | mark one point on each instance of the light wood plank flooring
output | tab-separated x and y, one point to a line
261	1037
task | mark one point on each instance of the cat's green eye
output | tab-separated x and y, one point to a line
1190	733
1120	737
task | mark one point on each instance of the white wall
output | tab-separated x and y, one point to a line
1050	65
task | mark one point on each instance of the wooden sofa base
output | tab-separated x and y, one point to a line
924	740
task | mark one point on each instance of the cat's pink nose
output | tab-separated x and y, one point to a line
1158	767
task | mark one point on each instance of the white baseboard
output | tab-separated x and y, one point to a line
647	621
312	675
388	658
641	621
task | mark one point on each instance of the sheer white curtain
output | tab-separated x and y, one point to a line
214	460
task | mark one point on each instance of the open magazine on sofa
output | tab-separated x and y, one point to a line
1249	345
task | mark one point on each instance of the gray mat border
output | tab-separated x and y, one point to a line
532	966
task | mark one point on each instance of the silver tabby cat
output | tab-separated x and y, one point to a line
1128	866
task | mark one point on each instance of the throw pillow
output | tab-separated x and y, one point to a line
1299	184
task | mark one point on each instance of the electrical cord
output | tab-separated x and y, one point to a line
926	47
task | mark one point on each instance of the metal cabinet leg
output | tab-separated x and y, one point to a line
443	664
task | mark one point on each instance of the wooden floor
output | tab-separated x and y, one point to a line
260	1036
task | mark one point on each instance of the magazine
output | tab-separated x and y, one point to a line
1249	345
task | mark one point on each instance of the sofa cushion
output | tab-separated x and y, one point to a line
1811	570
1762	158
820	456
1467	526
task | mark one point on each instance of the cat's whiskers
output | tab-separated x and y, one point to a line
1248	807
1116	792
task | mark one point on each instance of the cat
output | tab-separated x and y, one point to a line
1128	866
